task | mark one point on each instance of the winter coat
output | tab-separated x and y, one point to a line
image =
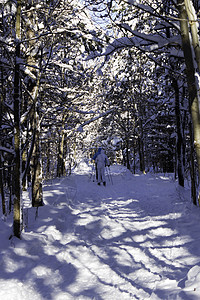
102	160
96	154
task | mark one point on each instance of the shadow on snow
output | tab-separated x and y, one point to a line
125	237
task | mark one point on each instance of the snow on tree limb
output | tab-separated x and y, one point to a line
141	41
80	128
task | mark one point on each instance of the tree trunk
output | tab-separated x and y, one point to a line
192	165
47	150
192	89
1	164
61	163
33	87
127	154
179	140
141	145
37	194
2	187
24	183
59	157
141	154
17	141
194	24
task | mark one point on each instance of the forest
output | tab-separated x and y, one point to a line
76	75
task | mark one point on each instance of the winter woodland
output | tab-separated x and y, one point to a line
123	75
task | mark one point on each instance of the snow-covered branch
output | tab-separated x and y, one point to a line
80	128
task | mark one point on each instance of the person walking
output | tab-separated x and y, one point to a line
94	158
101	161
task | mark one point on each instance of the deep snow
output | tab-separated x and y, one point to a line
136	238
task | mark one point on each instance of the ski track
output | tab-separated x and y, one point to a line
113	221
123	241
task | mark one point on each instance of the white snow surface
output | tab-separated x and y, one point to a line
136	238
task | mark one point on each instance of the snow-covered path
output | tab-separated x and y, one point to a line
137	238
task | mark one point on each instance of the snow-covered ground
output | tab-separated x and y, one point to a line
136	238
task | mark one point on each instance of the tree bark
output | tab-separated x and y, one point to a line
191	82
17	140
61	164
33	87
141	143
37	193
61	147
1	163
179	140
2	187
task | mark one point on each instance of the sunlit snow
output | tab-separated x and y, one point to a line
136	238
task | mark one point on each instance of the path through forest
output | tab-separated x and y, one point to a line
137	238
